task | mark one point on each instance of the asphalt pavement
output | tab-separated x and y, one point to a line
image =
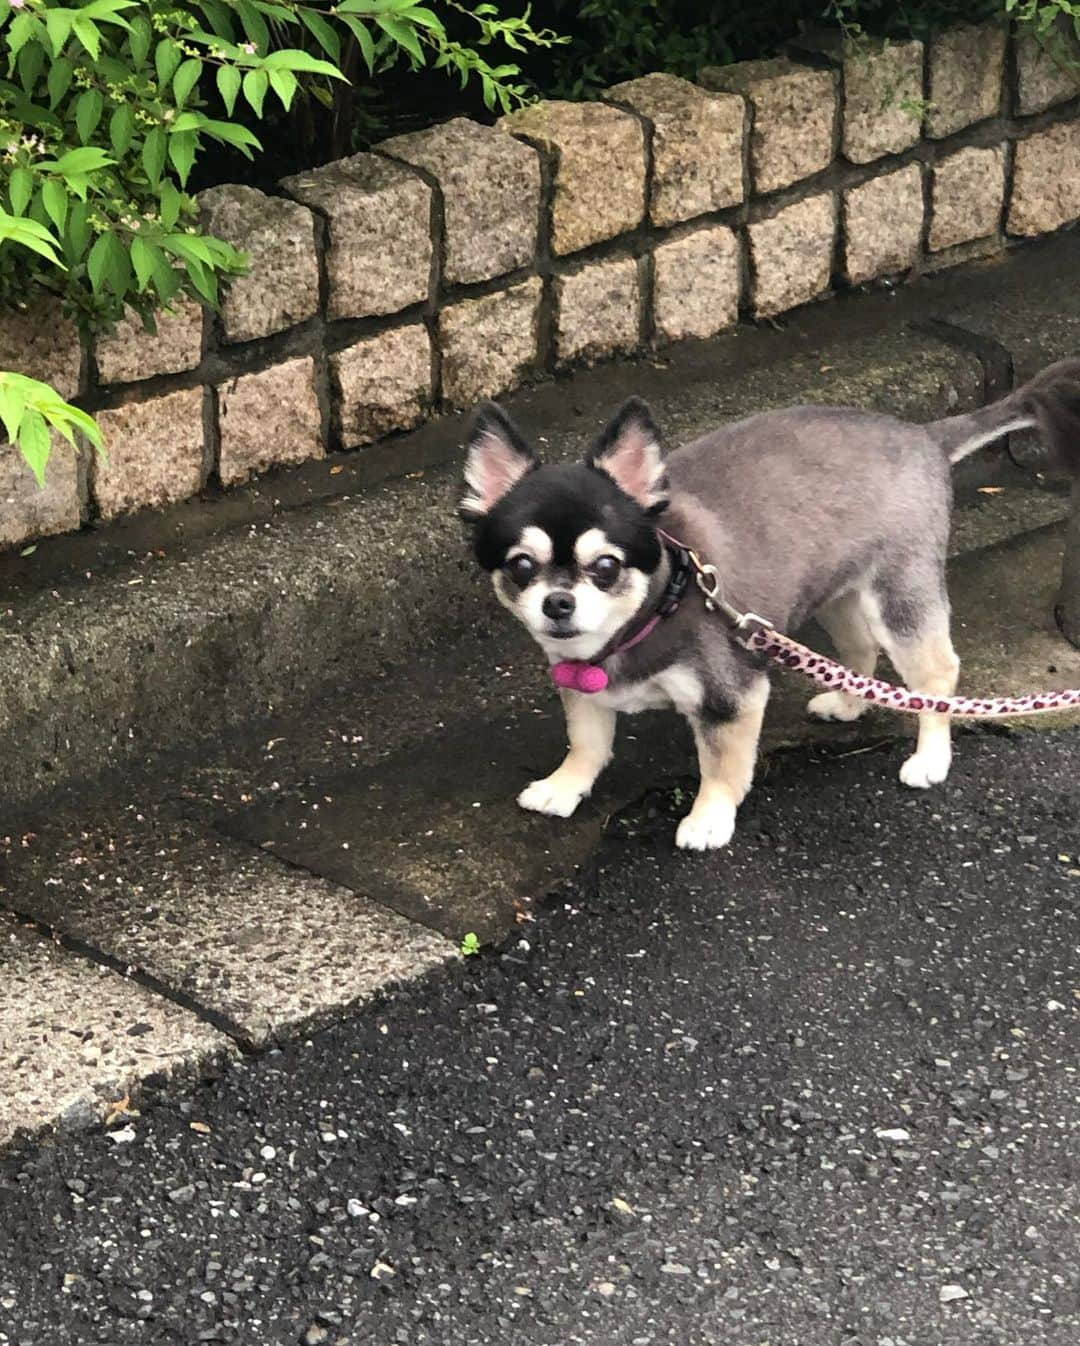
819	1089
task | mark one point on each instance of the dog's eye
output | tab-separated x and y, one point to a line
605	571
521	569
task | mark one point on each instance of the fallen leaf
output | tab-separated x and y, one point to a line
29	551
121	1108
201	1127
337	470
991	490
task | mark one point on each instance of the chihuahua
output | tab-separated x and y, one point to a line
838	514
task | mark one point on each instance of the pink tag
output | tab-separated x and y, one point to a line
576	676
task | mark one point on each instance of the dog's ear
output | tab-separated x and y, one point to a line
628	450
497	457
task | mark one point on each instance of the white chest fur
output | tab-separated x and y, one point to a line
675	687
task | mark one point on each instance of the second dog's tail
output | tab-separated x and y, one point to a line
1050	403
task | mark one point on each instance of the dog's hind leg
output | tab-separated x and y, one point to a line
727	753
914	633
590	729
856	646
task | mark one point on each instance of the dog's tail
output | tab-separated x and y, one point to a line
1050	403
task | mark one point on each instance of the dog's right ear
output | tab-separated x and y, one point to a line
497	458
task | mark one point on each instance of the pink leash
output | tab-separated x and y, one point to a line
759	636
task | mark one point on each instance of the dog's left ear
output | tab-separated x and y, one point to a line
628	450
497	457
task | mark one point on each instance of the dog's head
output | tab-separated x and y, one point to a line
570	548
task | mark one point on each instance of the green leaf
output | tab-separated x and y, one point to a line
59	79
87	159
34	244
470	945
402	34
108	11
205	282
34	443
228	83
77	236
12	404
98	262
109	265
364	40
153	155
182	149
167	56
254	24
255	86
55	200
59	23
23	28
141	37
121	129
84	423
190	247
284	83
323	33
185	79
187	121
171	204
239	136
424	18
142	259
30	64
221	19
88	109
87	33
20	189
167	280
293	59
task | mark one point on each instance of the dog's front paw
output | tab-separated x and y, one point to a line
706	829
925	769
835	706
557	798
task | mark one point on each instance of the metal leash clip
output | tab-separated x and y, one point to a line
708	581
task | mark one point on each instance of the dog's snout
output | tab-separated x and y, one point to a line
558	605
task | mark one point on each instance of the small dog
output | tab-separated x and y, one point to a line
837	514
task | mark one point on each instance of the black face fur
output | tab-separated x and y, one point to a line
566	501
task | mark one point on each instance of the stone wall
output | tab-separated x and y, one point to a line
455	263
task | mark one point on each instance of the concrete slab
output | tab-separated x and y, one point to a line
269	951
452	849
76	1037
1027	301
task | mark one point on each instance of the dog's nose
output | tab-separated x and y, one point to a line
558	606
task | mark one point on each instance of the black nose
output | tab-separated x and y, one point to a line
558	606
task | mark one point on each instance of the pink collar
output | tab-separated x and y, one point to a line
577	675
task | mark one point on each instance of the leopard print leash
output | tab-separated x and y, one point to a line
759	636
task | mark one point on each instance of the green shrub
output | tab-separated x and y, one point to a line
107	106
